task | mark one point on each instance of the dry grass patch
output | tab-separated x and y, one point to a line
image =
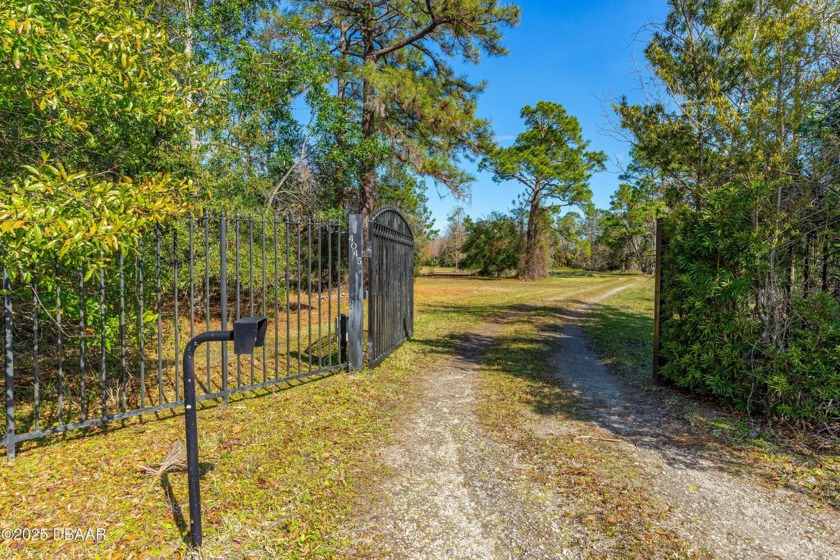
281	470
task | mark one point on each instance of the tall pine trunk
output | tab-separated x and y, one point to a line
188	49
341	188
368	178
368	172
532	264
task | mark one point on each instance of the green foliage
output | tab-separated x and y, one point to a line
744	79
258	153
802	378
399	97
93	108
628	228
549	158
403	190
493	244
713	267
77	218
744	154
571	247
95	84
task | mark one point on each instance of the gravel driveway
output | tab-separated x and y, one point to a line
458	492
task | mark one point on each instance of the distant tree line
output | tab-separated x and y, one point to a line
620	238
553	222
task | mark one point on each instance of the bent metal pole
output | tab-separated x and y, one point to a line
190	417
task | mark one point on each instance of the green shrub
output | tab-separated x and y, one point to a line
720	338
493	244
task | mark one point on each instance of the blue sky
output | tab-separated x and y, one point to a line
580	54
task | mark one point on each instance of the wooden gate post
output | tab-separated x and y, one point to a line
657	302
355	321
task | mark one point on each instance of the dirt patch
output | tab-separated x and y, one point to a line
457	491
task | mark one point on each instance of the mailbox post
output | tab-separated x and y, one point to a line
248	333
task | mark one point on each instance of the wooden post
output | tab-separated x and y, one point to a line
657	302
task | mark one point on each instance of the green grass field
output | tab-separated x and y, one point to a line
620	328
283	470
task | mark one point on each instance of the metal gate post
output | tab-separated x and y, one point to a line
342	338
224	301
10	366
248	333
357	287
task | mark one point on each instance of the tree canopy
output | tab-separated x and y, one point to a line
92	101
396	85
743	151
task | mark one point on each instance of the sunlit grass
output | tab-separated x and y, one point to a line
620	328
596	486
282	470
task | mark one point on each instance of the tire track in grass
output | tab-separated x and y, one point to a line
591	491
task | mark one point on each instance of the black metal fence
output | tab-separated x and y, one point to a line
84	347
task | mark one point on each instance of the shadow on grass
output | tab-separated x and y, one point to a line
487	313
623	339
565	380
175	508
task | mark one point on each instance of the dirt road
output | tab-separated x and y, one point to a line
459	492
729	516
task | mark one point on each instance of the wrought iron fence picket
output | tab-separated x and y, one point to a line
126	320
112	322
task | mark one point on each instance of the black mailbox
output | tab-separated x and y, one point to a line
249	333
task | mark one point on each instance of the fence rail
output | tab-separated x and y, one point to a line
84	347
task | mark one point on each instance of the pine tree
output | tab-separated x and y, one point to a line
397	87
551	160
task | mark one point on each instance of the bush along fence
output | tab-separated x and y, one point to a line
750	316
84	347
